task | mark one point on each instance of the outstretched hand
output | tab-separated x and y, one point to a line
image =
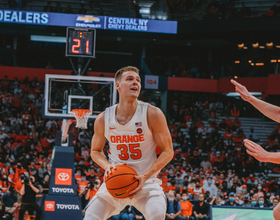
142	180
242	90
256	151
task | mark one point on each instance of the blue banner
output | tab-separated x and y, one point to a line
90	21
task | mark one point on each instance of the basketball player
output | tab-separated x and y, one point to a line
131	118
255	150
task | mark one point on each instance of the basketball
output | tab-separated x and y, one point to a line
121	181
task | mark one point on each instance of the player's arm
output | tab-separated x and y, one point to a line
158	125
269	110
98	141
261	154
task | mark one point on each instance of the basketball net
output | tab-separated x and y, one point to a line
81	116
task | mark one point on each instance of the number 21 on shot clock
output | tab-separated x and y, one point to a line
80	42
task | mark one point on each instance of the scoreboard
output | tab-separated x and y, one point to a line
80	42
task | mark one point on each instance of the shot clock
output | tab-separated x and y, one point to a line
80	42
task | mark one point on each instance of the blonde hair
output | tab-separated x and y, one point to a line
125	69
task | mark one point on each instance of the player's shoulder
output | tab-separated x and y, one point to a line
155	117
100	119
154	111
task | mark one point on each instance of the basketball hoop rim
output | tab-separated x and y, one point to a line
81	113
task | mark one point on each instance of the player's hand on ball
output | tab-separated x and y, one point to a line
242	90
111	166
142	180
256	151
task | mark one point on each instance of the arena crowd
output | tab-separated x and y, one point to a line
207	169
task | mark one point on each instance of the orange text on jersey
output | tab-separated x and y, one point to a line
127	138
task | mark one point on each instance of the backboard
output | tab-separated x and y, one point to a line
64	93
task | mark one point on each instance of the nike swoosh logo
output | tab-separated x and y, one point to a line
112	128
116	194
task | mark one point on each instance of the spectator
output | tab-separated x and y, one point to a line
261	192
28	192
43	169
91	176
246	202
201	129
92	189
238	200
201	208
178	197
2	135
84	139
179	180
45	183
231	201
275	202
197	189
236	123
261	203
206	164
3	214
50	122
254	202
33	170
198	123
229	122
82	183
11	202
210	188
213	114
218	201
18	184
269	202
49	169
172	186
173	207
187	207
228	134
185	188
252	135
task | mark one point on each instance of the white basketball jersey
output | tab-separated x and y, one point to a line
132	143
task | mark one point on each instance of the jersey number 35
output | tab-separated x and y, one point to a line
135	153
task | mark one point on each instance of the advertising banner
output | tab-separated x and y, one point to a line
63	178
57	207
87	21
151	82
224	213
